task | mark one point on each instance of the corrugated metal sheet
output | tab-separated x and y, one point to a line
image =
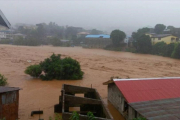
3	21
8	89
98	36
167	109
149	89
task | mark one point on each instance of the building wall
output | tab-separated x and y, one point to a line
118	101
167	40
9	103
2	35
97	42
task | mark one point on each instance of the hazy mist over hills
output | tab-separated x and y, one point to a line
106	15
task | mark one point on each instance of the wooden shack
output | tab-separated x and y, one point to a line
9	103
89	100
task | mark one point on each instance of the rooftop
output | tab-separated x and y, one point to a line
8	89
98	36
3	21
149	89
160	35
167	109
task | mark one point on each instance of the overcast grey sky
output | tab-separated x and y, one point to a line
126	15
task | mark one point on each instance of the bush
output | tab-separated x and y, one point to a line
169	49
57	68
34	70
176	51
139	118
3	80
31	41
19	41
71	69
55	42
6	41
159	48
52	68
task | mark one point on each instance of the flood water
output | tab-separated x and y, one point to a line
98	66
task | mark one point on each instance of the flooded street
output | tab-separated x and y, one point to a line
98	66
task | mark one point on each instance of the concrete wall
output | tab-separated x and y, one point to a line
117	99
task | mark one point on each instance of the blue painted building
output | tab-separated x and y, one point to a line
98	36
97	41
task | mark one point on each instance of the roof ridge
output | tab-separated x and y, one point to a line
134	79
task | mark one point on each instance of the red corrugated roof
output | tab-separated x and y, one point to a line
149	89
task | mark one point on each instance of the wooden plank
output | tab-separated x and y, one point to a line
77	89
105	109
74	100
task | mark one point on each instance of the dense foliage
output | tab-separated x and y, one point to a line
6	41
169	49
3	80
117	37
139	33
71	69
75	116
139	118
159	28
55	41
159	48
176	51
143	44
56	68
34	70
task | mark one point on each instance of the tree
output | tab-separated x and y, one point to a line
117	37
159	28
170	27
176	51
140	32
144	44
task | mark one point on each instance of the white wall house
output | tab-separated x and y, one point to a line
2	35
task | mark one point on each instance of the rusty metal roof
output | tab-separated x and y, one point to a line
167	109
148	89
8	89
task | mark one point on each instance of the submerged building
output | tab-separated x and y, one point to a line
83	98
151	98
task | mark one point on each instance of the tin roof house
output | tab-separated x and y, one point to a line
151	98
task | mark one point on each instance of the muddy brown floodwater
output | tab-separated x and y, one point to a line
98	66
